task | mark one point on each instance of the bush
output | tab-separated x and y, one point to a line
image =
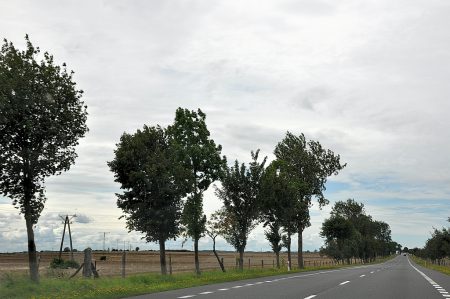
62	264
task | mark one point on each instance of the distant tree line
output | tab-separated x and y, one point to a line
351	233
436	248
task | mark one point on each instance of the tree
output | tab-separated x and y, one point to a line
349	232
340	235
42	118
308	165
274	236
278	202
154	183
213	230
438	246
200	155
239	194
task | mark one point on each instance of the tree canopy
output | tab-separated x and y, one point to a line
42	118
199	154
350	232
308	166
240	194
154	183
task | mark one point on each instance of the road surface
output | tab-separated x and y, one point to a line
397	278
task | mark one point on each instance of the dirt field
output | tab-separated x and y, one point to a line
148	261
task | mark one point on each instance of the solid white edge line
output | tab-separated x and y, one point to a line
441	290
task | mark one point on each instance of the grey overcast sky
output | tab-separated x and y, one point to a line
369	79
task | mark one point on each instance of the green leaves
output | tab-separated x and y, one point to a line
154	182
240	196
199	155
349	232
42	118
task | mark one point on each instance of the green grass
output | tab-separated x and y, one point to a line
16	286
424	263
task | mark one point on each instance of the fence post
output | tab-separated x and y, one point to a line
87	271
249	263
273	263
170	264
222	261
124	259
262	263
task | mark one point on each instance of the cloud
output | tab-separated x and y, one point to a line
366	79
81	218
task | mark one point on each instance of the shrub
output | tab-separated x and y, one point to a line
62	264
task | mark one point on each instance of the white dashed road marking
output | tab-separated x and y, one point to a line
275	280
345	282
363	275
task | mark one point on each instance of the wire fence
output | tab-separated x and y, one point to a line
110	263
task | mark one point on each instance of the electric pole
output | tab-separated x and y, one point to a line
104	238
66	222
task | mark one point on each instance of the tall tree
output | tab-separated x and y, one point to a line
42	118
309	165
278	201
240	194
154	183
201	156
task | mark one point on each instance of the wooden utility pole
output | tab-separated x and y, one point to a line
66	222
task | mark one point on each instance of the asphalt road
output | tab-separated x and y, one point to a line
397	278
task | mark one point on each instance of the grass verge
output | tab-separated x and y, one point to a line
424	263
19	286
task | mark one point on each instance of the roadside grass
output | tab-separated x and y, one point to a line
19	286
424	263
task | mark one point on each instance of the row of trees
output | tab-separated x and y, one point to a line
158	167
437	247
351	233
163	171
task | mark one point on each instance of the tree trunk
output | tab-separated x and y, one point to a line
289	250
217	256
162	256
277	254
32	256
300	249
197	263
241	259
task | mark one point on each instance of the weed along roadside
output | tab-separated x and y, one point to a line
19	286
